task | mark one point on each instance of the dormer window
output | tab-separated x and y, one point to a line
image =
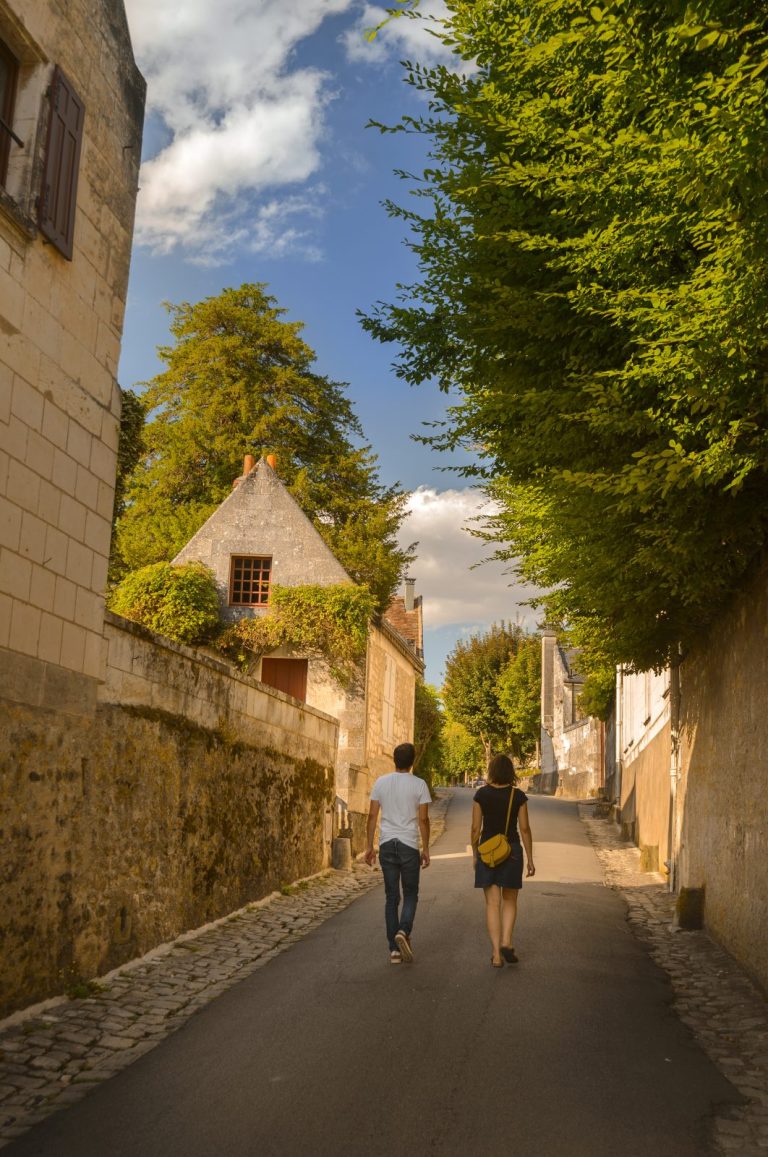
249	578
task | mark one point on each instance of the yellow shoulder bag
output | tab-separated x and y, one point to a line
497	849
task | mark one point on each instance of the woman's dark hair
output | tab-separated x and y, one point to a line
501	769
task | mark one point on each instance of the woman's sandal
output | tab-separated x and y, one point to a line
495	964
509	955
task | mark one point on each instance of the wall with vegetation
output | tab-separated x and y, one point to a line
188	792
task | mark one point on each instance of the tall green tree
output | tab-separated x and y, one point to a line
427	733
129	453
470	690
519	694
239	379
463	755
593	245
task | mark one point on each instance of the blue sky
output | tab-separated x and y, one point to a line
258	167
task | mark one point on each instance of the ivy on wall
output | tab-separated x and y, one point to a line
330	621
181	602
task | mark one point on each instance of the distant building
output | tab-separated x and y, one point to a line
642	790
572	744
259	536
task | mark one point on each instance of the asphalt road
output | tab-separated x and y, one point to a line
329	1050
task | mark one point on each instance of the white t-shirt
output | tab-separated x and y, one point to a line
399	795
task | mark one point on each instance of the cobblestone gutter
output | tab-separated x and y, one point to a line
52	1057
726	1012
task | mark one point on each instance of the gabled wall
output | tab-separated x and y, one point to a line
261	517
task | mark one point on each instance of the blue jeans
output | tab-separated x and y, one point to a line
399	862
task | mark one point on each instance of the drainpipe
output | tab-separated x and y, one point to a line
674	773
619	736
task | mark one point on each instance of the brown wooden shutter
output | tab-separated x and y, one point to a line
62	160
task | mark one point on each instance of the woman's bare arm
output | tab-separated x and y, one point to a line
477	827
525	835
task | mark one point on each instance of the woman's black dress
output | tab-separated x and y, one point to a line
494	802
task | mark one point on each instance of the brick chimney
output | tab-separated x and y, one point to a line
409	588
272	461
248	464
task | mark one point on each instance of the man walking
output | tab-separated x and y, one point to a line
403	800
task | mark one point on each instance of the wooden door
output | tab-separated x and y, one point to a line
289	675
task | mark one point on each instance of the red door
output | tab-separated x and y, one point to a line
289	675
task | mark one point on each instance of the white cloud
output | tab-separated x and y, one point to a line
240	121
410	36
453	592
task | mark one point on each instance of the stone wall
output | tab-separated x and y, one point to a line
60	329
643	743
722	799
645	800
186	793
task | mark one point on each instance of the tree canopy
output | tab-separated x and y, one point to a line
470	690
428	733
239	379
593	247
519	693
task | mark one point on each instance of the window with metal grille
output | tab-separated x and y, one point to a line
249	580
9	73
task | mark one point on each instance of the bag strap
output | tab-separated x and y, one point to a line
509	809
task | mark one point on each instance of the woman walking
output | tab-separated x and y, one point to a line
499	808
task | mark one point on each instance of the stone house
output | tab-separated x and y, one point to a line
71	115
259	536
572	744
641	791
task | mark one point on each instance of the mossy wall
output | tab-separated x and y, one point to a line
120	830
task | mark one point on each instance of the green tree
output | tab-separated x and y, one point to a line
519	694
593	246
463	756
239	379
470	690
129	451
428	731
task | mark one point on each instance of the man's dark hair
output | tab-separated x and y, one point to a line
404	755
501	769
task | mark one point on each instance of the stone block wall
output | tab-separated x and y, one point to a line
722	800
188	792
60	329
644	800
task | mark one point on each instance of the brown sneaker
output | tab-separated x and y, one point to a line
404	944
509	955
